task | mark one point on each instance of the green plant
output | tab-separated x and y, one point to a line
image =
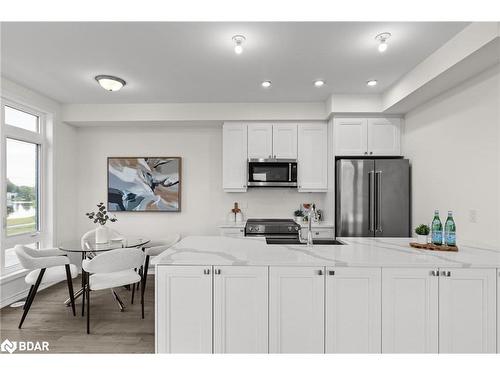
298	213
422	230
101	216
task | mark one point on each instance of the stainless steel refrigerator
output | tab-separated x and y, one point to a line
372	198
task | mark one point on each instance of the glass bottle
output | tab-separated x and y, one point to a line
437	229
450	230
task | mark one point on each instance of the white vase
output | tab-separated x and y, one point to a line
422	239
298	219
102	234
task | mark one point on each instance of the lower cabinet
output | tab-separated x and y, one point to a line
184	321
296	309
409	310
240	309
467	311
353	310
183	309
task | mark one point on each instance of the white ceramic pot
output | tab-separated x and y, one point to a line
298	219
422	239
102	234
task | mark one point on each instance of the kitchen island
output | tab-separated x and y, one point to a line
225	295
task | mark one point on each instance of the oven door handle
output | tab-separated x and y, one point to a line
289	172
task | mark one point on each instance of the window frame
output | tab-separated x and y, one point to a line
13	132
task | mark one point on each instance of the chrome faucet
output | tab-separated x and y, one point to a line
309	227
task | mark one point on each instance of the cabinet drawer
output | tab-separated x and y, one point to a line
232	232
318	232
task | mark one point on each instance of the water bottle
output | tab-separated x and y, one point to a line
450	230
437	229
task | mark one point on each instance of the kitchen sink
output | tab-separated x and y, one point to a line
294	241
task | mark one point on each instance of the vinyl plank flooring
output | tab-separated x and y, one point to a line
111	331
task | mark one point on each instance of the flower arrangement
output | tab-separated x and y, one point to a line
101	216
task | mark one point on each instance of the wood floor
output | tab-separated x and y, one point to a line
111	331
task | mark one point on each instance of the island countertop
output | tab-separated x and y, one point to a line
358	252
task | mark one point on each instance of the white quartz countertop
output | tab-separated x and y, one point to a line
358	252
241	224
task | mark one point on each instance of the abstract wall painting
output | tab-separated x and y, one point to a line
144	184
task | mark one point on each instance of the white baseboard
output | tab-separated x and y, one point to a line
21	295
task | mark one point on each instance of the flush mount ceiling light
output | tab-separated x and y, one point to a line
266	84
319	83
110	83
382	39
371	83
238	43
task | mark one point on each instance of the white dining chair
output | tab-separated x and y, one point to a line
112	269
47	266
151	249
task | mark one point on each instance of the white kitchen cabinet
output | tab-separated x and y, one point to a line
318	232
384	136
232	232
260	141
234	157
350	136
240	309
409	310
367	136
296	309
353	310
312	160
467	311
183	309
285	141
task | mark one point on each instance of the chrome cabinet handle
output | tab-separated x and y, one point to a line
331	273
320	272
371	152
217	272
448	274
433	273
366	152
206	271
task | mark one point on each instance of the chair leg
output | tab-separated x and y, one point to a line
69	279
28	297
133	293
33	293
88	310
143	282
84	283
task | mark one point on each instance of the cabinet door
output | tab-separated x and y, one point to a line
184	309
240	309
296	309
353	310
409	310
260	141
312	161
232	232
234	157
467	311
384	136
350	136
285	141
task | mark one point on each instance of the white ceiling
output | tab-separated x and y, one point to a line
195	62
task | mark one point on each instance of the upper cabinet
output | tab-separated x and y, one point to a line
234	160
312	160
272	141
367	136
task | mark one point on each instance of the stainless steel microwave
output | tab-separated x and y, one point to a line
272	172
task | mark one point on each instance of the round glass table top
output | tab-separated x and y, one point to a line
91	246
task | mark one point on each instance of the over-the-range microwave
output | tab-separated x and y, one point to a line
272	172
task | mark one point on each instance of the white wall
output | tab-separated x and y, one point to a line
453	144
204	204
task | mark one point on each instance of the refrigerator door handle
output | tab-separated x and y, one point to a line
371	201
378	179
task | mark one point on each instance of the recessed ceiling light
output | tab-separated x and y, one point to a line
319	83
382	38
238	43
372	82
110	83
266	84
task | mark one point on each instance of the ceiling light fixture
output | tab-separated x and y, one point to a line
371	83
382	39
238	41
110	83
319	83
266	84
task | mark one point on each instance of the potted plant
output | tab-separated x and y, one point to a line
298	215
422	232
101	217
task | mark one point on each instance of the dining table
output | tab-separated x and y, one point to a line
90	249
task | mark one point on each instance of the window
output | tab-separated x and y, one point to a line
21	166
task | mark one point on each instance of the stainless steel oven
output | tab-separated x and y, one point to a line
272	172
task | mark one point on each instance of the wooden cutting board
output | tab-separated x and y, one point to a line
433	247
